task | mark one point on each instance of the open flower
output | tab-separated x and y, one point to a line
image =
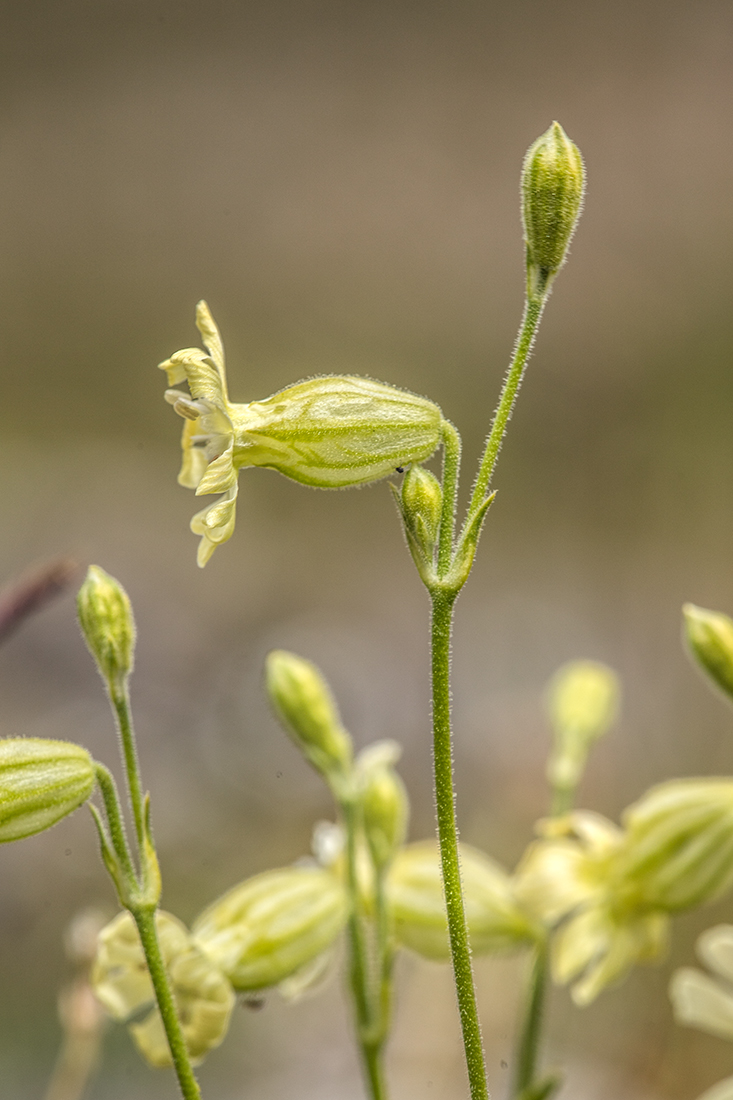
204	998
329	432
572	875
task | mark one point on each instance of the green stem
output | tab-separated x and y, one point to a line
385	956
442	617
372	1056
451	467
120	699
562	801
360	971
111	800
145	921
530	320
530	1034
529	1039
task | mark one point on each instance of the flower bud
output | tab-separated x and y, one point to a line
121	981
709	636
422	499
553	181
679	847
40	782
384	802
271	925
417	904
582	703
306	707
338	431
106	621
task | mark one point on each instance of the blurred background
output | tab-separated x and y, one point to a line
340	181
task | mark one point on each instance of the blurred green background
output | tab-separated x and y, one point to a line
340	181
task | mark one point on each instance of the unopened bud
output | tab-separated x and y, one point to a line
106	621
384	801
422	499
553	181
582	702
40	782
679	847
709	636
417	904
303	701
271	925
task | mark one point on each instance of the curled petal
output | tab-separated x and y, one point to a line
120	978
600	949
220	475
175	366
715	948
215	524
212	340
193	458
701	1002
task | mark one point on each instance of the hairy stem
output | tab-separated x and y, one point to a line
145	921
442	617
120	699
451	467
532	313
117	834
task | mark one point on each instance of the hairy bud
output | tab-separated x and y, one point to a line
679	847
709	636
106	621
270	926
384	802
41	782
422	499
417	905
582	702
553	181
306	707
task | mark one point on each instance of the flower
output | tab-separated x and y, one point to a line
273	926
329	432
121	982
496	922
572	875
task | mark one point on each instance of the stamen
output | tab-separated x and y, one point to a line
185	406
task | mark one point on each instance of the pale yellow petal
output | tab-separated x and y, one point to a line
174	368
723	1090
583	940
630	942
211	337
701	1002
120	977
715	948
219	476
552	880
150	1040
193	458
215	524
